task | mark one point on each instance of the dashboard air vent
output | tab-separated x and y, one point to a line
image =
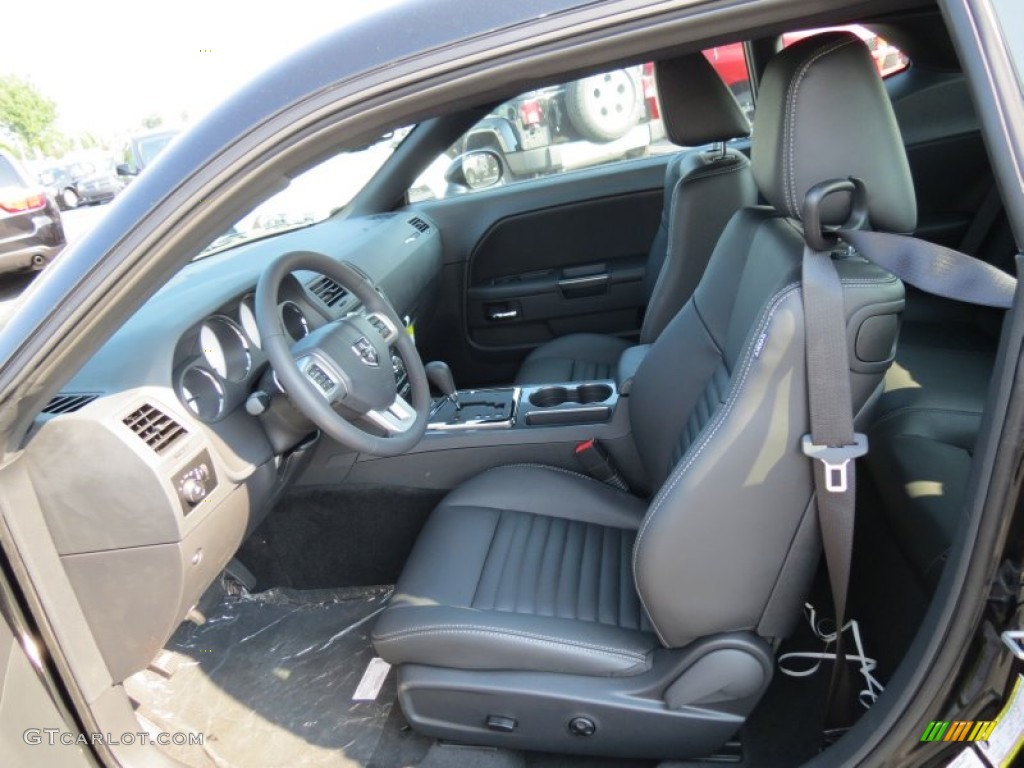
67	402
328	291
156	428
419	224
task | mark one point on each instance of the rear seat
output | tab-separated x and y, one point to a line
927	420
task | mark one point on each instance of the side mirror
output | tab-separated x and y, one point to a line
478	169
123	169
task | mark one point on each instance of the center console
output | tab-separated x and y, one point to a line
473	430
524	407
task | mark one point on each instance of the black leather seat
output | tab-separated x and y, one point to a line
543	609
924	431
703	189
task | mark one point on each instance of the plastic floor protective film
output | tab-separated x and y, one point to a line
268	679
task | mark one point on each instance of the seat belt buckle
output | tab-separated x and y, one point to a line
836	460
598	464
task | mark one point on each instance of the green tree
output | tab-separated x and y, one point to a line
153	121
27	113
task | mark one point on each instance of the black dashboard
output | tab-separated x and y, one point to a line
152	469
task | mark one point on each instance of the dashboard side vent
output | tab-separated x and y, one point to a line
68	402
328	291
154	427
419	224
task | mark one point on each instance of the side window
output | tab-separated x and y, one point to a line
888	58
606	118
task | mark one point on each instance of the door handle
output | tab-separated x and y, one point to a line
584	285
502	312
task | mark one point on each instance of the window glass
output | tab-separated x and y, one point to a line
606	118
313	195
9	176
888	58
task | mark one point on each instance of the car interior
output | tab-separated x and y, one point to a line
513	477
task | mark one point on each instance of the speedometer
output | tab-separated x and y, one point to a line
225	349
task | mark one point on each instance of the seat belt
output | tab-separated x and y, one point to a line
982	221
832	444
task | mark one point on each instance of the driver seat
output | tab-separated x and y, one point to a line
542	609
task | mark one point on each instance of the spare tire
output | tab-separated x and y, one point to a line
604	107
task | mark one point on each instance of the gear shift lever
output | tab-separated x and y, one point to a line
440	375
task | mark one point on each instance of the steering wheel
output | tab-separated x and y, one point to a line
346	363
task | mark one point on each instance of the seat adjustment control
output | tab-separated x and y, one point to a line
501	723
582	726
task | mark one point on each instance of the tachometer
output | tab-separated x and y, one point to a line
295	323
225	349
247	314
201	393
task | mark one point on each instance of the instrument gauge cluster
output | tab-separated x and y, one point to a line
218	362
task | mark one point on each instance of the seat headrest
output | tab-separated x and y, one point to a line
696	106
824	114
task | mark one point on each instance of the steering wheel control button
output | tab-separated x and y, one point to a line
502	724
582	726
328	382
383	326
320	378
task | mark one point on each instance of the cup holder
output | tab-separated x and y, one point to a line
593	393
550	397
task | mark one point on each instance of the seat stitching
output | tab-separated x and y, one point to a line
555	469
517	525
529	636
890	415
791	100
719	419
555	602
580	561
487	556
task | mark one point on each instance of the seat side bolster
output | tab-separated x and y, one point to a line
709	191
435	635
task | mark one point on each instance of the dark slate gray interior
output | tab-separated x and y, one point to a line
535	595
602	583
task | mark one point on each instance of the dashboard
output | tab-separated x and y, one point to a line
173	441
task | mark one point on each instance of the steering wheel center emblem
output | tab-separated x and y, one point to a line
364	351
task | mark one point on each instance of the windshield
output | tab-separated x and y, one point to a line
313	195
151	146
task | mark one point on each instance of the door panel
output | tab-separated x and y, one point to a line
574	268
538	259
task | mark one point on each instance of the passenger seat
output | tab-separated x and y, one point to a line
703	189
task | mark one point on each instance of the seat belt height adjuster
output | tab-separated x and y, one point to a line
836	459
